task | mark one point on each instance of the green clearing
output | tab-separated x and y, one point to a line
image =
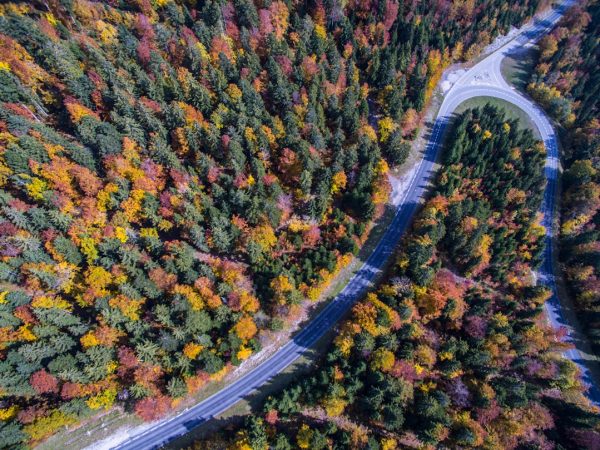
511	111
516	68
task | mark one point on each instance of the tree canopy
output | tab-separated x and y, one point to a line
177	176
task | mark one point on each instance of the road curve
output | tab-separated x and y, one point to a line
554	310
174	427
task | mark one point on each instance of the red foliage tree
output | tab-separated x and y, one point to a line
152	408
271	417
311	236
71	390
476	327
144	27
31	414
164	280
127	358
143	51
266	27
391	12
148	376
409	122
43	382
289	165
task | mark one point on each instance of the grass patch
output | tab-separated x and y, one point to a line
93	430
511	111
516	68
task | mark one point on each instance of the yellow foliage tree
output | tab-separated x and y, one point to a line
241	442
282	286
191	295
103	400
130	308
121	234
78	112
89	340
245	328
264	236
369	132
8	413
386	126
48	425
344	341
234	92
88	248
304	436
46	301
334	406
98	277
338	182
244	353
382	359
106	31
192	349
388	443
36	188
249	303
279	18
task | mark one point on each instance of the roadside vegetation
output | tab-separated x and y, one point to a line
452	350
566	81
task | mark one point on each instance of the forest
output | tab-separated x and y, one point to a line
176	177
452	350
566	82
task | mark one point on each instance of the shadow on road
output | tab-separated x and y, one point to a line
201	429
519	64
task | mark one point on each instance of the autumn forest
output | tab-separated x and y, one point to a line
180	178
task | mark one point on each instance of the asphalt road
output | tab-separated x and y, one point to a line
483	79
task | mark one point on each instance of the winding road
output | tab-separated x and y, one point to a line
483	79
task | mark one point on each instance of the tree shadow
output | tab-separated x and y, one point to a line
200	429
522	59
